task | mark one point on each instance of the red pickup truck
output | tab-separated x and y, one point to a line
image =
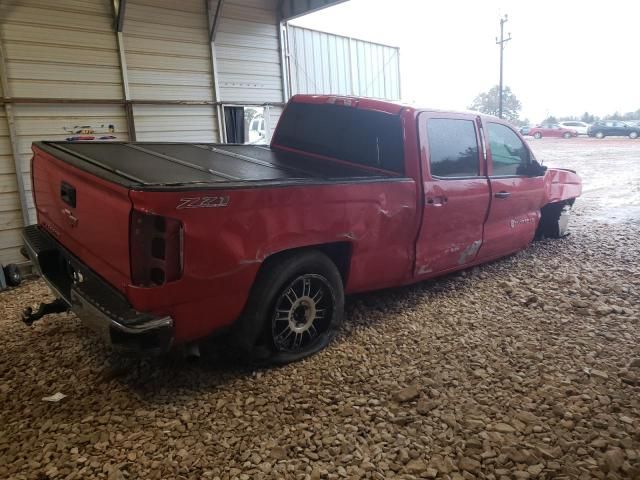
163	244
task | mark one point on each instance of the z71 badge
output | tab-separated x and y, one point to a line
203	202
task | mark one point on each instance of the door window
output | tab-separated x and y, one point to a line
510	156
453	147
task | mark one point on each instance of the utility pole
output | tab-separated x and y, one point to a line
501	42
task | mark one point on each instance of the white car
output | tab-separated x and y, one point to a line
579	127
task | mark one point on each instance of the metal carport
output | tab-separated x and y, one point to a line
132	69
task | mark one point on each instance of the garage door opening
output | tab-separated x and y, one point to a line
246	124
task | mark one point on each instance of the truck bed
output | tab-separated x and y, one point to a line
159	166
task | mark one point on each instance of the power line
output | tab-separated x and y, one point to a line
501	42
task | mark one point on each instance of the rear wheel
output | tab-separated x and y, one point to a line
599	135
567	135
295	308
633	135
537	135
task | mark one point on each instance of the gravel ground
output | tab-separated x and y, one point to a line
525	368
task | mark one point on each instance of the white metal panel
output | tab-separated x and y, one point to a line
167	50
10	211
56	122
176	123
248	52
324	63
62	51
274	116
168	57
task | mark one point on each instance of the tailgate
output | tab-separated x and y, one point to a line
88	215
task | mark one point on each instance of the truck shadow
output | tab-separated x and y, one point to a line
157	379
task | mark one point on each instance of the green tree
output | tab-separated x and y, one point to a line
587	118
488	102
550	120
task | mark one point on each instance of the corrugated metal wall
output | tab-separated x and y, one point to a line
69	50
324	63
168	57
64	52
10	211
248	52
64	49
67	70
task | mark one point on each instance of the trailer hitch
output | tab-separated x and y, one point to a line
57	306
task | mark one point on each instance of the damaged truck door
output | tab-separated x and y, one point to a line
456	192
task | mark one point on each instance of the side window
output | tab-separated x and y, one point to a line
510	156
453	147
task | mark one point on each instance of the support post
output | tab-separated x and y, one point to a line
13	137
213	29
214	67
121	8
128	106
285	62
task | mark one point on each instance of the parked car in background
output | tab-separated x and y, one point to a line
525	130
552	131
580	127
634	123
613	128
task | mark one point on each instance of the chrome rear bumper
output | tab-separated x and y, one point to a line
93	300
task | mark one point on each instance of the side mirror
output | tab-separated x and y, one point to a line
534	169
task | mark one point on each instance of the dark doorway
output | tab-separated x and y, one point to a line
234	124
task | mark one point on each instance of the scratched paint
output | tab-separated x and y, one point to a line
469	253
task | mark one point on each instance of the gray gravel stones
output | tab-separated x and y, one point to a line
466	377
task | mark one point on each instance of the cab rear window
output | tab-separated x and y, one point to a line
365	137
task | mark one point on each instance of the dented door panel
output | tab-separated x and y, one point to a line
454	208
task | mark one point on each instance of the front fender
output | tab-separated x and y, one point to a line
561	184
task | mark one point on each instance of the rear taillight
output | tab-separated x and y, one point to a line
156	249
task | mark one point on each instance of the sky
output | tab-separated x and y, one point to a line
565	57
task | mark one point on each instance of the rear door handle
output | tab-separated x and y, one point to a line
502	195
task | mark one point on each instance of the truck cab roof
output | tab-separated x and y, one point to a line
388	106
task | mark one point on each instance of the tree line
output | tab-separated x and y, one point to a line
488	102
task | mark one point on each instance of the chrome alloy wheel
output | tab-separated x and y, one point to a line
302	313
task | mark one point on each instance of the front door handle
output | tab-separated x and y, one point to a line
502	195
437	201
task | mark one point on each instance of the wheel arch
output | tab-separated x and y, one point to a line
549	216
248	331
339	253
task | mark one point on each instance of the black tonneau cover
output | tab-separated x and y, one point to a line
151	165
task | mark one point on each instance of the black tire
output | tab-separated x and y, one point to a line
12	275
537	135
567	135
271	317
